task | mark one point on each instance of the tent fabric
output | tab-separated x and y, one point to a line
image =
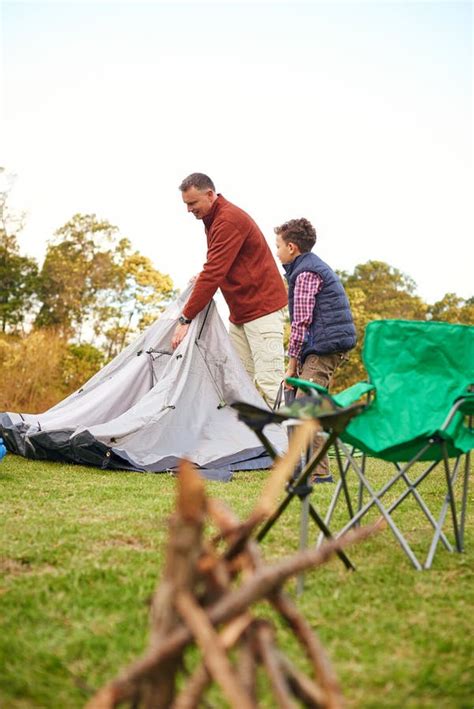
151	406
418	370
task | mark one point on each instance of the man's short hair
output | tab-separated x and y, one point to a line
198	180
300	232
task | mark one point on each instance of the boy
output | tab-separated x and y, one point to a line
322	328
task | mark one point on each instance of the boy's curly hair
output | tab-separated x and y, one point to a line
300	232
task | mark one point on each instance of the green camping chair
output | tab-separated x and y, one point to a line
421	391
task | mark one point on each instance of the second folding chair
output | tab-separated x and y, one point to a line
421	410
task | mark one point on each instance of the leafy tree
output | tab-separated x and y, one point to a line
452	308
17	273
91	278
139	297
376	291
388	293
78	265
80	363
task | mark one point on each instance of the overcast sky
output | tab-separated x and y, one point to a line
356	115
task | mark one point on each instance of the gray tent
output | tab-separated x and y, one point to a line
151	406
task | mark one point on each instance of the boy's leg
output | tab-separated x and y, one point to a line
240	343
265	339
320	370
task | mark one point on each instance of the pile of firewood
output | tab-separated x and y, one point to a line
207	589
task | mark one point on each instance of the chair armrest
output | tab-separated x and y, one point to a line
466	403
343	398
352	393
305	385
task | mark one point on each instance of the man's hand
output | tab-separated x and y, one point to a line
291	371
179	334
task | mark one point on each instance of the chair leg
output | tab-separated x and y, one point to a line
376	501
341	485
464	496
327	533
452	501
330	512
304	518
411	488
441	520
321	523
360	492
305	458
266	443
276	515
343	471
436	536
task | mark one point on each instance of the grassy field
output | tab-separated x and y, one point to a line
80	556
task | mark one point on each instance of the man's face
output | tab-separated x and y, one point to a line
197	202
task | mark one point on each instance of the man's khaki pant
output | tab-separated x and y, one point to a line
259	344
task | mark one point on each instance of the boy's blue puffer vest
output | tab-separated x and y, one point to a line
332	329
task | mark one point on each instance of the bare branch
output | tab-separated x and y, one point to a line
301	685
324	672
215	657
191	694
270	661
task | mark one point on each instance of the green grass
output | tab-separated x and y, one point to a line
80	556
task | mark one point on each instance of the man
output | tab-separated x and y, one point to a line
240	263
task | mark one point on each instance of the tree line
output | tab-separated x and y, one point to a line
91	282
61	321
378	291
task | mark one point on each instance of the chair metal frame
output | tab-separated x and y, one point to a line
375	498
299	485
451	472
301	488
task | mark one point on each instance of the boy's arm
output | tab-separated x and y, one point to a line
307	286
291	370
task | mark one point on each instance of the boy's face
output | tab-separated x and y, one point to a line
286	252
